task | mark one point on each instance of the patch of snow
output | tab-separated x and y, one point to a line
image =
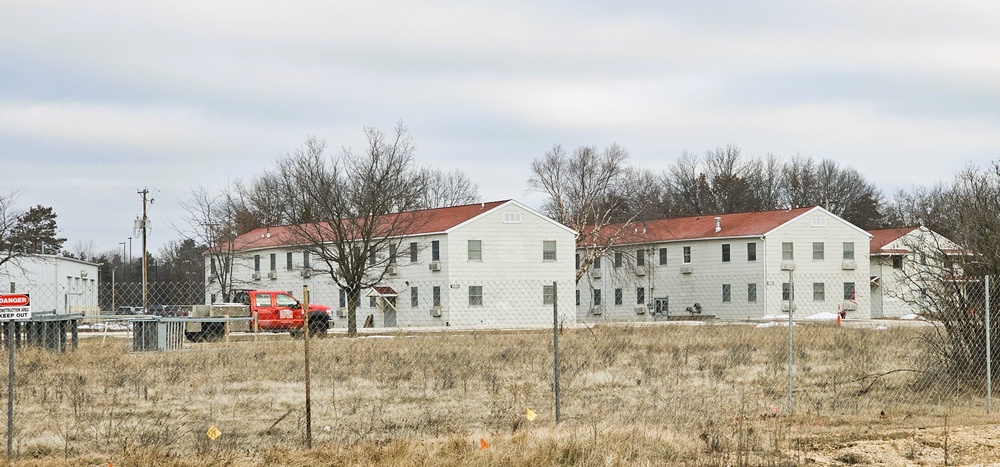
824	316
911	316
773	324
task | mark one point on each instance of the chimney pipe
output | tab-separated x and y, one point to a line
718	224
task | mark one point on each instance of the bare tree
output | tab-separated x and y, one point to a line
686	186
363	203
213	223
447	188
587	191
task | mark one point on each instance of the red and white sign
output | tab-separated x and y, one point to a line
15	306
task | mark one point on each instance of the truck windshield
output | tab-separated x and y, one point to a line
285	300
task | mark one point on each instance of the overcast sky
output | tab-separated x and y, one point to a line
99	99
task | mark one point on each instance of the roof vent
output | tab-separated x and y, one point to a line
718	224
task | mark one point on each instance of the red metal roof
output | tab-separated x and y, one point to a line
883	237
738	224
424	222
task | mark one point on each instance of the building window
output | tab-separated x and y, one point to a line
274	262
288	261
787	254
371	258
414	297
548	250
256	263
848	250
640	258
819	292
305	259
436	296
578	260
687	255
511	218
577	297
818	251
751	293
618	259
371	302
436	250
392	253
475	250
786	291
597	262
597	297
725	252
727	293
751	251
897	262
475	295
343	298
640	296
413	252
849	292
618	296
212	266
548	295
663	256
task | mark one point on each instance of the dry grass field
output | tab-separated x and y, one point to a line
649	395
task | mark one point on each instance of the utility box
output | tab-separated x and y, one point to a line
157	334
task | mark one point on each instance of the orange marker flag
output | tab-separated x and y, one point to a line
483	444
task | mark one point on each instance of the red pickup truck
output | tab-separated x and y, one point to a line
274	310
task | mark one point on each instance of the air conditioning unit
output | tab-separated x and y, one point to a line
640	310
849	306
307	272
272	275
342	312
785	306
256	275
392	270
788	265
640	271
686	269
596	311
213	277
436	311
435	266
595	273
850	264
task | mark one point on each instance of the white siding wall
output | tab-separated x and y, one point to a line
56	284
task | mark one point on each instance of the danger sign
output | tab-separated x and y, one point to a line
14	306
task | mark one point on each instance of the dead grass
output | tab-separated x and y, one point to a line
705	395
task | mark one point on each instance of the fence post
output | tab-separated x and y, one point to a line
989	352
791	308
555	343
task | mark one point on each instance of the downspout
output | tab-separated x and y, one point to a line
763	241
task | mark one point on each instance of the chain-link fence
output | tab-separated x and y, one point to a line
694	372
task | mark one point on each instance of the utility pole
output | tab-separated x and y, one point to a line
145	255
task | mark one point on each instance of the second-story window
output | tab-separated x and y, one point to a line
549	250
436	250
274	262
818	251
392	253
787	253
288	261
618	259
640	258
305	259
848	250
687	255
725	252
751	251
413	252
663	256
256	263
475	250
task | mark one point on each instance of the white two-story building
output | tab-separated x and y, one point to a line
730	266
483	265
905	264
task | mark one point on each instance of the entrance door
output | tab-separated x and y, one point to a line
389	311
660	306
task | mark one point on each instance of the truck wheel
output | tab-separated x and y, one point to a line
318	325
212	332
194	336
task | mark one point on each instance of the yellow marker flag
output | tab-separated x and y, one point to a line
531	415
213	432
483	444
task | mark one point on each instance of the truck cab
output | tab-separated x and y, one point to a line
279	311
